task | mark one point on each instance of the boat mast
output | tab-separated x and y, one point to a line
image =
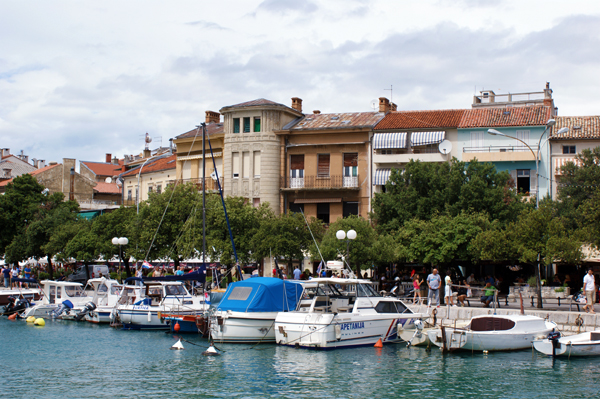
204	194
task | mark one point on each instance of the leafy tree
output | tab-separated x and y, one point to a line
361	253
119	223
441	239
425	189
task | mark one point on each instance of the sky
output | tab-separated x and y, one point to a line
80	79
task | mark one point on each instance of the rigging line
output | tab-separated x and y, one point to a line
311	234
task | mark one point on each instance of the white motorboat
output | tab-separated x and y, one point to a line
343	313
106	294
493	333
158	298
247	311
61	299
584	344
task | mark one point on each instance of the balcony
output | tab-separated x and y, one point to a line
499	153
337	182
211	185
406	158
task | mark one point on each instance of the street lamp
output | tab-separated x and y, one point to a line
536	156
121	241
350	235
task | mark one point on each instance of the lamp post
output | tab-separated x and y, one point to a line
120	242
346	236
549	124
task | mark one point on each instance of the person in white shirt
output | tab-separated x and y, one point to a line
448	290
589	286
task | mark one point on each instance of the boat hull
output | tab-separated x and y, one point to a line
457	338
575	345
241	327
330	331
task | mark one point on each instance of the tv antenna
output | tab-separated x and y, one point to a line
391	89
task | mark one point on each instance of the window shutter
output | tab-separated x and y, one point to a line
297	161
323	165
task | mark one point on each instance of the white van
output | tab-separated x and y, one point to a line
95	271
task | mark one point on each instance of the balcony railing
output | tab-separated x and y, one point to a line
317	182
504	148
210	183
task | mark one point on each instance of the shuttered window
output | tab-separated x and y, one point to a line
236	125
257	123
297	161
246	125
351	164
323	165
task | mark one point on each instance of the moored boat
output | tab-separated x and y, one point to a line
584	344
493	333
60	299
340	313
247	312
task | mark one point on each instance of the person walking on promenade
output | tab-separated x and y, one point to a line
589	286
433	282
417	288
448	300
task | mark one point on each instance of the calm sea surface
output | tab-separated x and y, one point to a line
80	360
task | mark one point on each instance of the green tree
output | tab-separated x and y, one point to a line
119	223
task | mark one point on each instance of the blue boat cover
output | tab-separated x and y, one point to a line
261	294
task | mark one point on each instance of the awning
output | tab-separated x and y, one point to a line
389	140
89	214
558	162
424	138
316	200
381	177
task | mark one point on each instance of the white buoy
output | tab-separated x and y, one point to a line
211	351
149	316
177	346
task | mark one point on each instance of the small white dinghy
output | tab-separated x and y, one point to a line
584	344
493	333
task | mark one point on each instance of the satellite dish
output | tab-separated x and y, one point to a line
108	180
445	147
374	104
213	176
119	181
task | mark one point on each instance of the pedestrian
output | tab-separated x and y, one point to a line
488	294
589	286
297	273
6	274
417	288
14	275
433	282
462	293
448	300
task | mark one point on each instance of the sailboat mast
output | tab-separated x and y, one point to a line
204	193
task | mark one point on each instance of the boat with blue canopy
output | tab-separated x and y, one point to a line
247	312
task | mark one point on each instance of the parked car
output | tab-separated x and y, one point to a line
95	271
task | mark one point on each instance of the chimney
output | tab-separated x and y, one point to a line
115	161
394	107
34	162
68	164
147	153
212	117
297	104
384	105
316	112
5	152
108	158
41	163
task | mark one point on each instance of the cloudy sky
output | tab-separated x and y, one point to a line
80	79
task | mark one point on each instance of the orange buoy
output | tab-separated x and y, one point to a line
12	316
177	327
379	344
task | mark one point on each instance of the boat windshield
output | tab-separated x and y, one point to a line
365	290
175	290
74	291
102	289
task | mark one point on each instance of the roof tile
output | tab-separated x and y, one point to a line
338	121
155	166
580	127
500	117
421	119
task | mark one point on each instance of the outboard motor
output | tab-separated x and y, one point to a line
65	306
553	337
88	308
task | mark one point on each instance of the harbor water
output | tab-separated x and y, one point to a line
80	360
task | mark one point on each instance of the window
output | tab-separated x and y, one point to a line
569	149
256	164
351	164
246	125
257	123
240	293
323	165
323	212
297	165
236	125
256	202
523	181
477	139
137	194
522	135
245	164
128	195
158	188
235	164
149	189
350	208
297	208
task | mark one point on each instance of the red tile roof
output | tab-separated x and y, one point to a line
337	121
35	172
103	168
253	103
155	166
211	128
580	127
500	117
421	119
107	188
